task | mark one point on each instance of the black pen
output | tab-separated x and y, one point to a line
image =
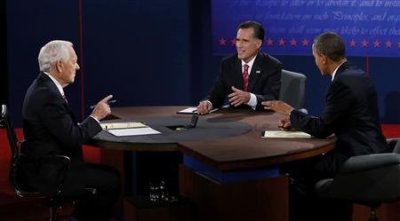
109	102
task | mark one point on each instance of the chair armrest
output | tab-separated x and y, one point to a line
394	144
66	160
367	179
368	162
56	166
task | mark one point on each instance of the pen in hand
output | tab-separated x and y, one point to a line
109	102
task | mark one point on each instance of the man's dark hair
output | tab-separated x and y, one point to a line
257	27
331	45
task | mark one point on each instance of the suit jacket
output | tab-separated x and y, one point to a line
50	129
264	79
351	113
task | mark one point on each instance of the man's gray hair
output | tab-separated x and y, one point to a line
52	52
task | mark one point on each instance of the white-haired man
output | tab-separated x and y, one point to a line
50	129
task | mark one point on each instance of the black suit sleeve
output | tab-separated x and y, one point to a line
58	120
221	87
269	85
339	101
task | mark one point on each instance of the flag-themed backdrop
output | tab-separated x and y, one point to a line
157	52
369	27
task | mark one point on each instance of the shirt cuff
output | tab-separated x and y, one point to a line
95	119
210	105
253	101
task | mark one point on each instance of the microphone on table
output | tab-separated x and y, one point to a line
193	121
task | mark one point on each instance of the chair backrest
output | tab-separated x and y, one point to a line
396	148
395	142
292	88
16	177
369	179
13	143
16	157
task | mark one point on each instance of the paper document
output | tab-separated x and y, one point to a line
285	134
122	125
133	131
191	110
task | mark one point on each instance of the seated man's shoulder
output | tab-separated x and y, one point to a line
231	59
272	60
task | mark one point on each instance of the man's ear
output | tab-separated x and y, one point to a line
59	66
259	43
324	59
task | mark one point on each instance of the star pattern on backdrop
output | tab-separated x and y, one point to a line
292	43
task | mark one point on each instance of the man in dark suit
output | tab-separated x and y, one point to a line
351	113
248	77
50	129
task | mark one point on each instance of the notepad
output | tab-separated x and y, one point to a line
284	134
120	129
189	110
121	125
133	131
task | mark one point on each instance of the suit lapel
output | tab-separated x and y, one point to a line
71	114
238	78
46	80
50	84
255	71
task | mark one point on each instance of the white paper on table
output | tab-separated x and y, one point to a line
188	110
121	125
133	131
193	110
285	134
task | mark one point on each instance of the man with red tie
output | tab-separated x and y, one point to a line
248	77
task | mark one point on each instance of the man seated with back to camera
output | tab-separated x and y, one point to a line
50	129
350	112
261	82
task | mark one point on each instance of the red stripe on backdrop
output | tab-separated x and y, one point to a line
82	70
391	130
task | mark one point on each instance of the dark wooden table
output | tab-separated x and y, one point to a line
254	199
245	151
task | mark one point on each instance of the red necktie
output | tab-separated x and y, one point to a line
245	76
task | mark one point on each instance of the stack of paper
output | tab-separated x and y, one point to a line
189	110
285	134
128	129
193	110
122	125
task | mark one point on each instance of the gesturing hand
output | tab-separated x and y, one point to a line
102	108
278	106
238	97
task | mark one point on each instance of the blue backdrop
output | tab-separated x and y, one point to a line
369	28
151	52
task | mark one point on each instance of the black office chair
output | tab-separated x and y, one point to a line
292	88
368	180
53	200
394	144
